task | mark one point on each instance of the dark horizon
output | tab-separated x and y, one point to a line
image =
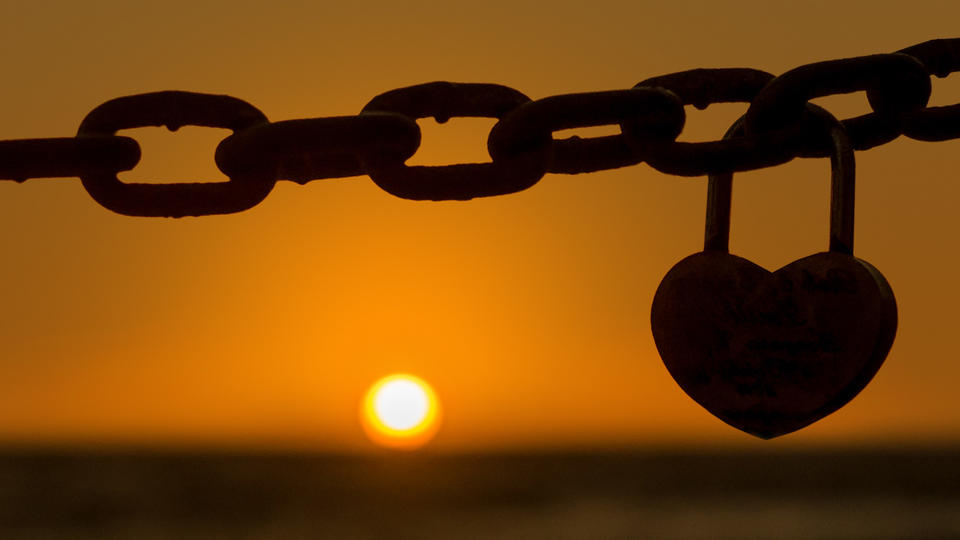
877	494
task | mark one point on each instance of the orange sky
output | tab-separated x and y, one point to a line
528	313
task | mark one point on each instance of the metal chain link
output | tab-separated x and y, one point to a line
777	127
173	110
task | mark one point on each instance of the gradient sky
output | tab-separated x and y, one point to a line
528	313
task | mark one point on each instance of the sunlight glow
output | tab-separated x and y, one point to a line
400	411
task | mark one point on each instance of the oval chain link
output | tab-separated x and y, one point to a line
66	157
895	84
939	57
530	127
702	88
442	101
174	110
319	148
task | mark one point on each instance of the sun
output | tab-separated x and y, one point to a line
400	411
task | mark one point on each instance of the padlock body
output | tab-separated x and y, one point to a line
772	352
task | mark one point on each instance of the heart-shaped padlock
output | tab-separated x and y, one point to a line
770	353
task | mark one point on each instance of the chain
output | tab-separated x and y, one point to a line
777	127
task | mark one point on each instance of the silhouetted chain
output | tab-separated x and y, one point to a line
777	127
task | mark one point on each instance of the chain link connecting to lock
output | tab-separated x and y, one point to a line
377	142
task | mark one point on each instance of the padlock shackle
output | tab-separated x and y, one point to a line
842	190
843	171
719	197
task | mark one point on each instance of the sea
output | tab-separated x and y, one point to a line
855	493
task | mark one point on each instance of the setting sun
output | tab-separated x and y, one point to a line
400	411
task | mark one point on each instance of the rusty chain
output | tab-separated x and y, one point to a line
776	128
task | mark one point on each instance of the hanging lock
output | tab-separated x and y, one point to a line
772	352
